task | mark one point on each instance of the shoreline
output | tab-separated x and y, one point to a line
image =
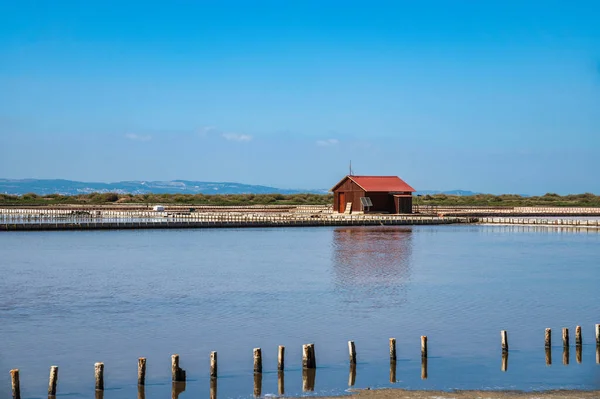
399	393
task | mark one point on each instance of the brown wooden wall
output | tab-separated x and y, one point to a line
382	201
352	191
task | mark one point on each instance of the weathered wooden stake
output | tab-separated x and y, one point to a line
565	336
548	338
53	381
504	336
423	346
213	364
281	358
597	334
142	371
352	352
308	356
15	383
504	366
578	354
99	375
578	340
257	360
548	356
393	349
177	373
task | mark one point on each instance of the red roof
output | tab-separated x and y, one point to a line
379	183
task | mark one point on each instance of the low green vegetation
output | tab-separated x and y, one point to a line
505	200
510	200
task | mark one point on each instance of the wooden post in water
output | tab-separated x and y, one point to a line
281	358
177	373
213	364
15	384
99	376
548	338
142	371
53	381
565	337
393	349
548	356
257	360
504	337
308	356
597	334
423	346
578	340
352	352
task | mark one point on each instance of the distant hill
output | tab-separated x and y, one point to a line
69	187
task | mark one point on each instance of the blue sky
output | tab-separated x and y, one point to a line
492	96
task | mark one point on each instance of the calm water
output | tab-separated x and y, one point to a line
75	298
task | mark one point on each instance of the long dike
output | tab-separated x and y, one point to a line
177	223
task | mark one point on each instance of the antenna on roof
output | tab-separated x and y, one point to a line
350	169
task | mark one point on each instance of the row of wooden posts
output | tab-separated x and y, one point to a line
309	361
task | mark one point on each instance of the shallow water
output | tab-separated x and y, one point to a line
75	298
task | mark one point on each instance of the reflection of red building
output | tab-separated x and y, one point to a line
388	194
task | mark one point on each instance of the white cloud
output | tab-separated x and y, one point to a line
236	137
138	137
328	142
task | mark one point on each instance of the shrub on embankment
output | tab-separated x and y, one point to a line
505	200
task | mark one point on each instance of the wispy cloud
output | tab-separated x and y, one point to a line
207	130
138	137
327	142
236	137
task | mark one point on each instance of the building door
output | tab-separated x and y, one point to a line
342	202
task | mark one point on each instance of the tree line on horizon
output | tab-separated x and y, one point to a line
504	200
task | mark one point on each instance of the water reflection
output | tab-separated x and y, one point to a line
176	389
352	375
548	357
372	265
566	355
423	368
257	385
504	366
99	395
308	380
213	388
280	383
578	354
392	372
598	354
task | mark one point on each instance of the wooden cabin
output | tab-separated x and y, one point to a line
372	194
